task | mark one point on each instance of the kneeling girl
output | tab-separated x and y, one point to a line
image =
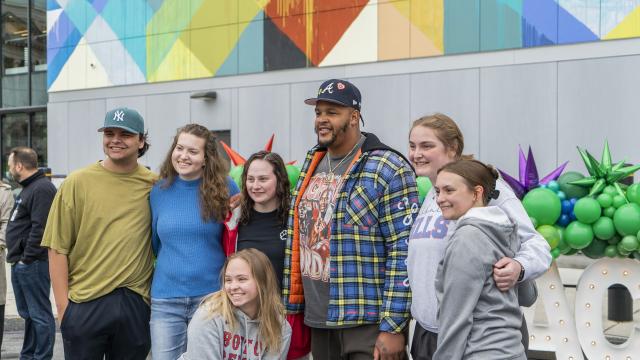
245	319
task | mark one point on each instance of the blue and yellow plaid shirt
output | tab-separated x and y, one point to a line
369	242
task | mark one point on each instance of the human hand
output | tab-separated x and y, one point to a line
62	307
506	272
234	201
389	347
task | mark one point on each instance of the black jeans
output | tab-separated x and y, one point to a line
114	326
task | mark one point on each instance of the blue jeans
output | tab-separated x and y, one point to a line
169	321
31	286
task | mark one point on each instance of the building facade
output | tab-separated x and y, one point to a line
23	114
552	74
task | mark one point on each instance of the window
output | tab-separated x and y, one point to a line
21	129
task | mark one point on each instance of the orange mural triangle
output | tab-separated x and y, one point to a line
314	26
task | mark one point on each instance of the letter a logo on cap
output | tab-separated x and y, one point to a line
118	115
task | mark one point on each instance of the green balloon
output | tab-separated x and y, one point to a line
611	251
608	212
587	210
293	172
543	205
424	185
595	250
618	201
562	244
603	228
615	239
236	175
627	219
555	253
578	235
605	200
633	193
629	243
610	190
622	251
572	191
572	252
551	234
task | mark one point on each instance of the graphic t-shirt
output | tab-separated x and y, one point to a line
265	232
315	212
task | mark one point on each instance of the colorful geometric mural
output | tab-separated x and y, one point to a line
97	43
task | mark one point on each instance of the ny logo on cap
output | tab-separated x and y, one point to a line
118	115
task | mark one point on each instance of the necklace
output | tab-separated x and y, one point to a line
330	175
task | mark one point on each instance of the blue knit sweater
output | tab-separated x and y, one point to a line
188	250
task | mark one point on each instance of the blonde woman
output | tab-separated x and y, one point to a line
245	319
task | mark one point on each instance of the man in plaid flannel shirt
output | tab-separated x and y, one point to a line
345	259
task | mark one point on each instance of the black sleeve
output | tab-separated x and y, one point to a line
39	206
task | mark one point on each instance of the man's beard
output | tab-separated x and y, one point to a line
334	135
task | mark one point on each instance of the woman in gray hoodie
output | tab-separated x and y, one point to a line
477	320
245	319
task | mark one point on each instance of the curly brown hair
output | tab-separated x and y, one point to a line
214	193
282	186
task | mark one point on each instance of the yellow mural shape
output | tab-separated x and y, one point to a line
176	64
428	17
629	27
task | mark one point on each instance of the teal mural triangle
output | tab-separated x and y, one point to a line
251	46
81	14
230	65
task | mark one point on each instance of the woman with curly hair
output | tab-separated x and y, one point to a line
188	207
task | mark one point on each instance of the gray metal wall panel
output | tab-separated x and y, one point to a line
518	107
58	138
84	141
454	93
215	114
303	135
386	108
598	100
164	114
262	111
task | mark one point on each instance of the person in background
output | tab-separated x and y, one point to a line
476	319
6	204
99	239
261	223
30	263
435	141
245	319
188	207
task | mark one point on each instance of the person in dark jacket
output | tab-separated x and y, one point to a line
30	265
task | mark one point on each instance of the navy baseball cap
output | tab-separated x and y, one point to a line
339	92
124	118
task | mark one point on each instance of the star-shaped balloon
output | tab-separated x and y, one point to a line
528	175
603	173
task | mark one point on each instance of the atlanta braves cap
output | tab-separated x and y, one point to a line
124	118
339	92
